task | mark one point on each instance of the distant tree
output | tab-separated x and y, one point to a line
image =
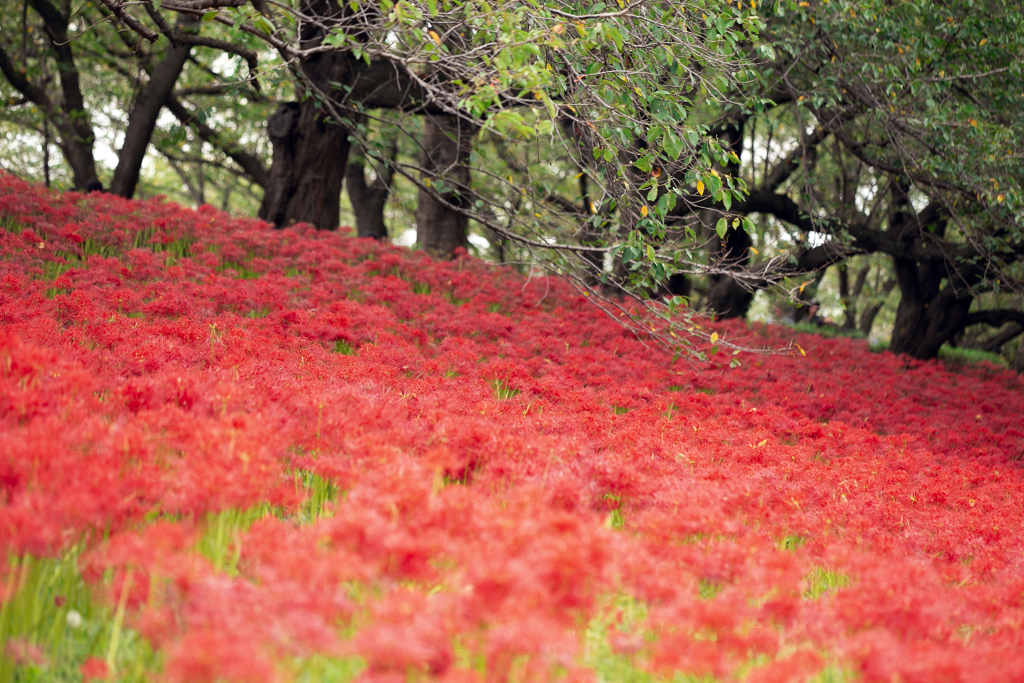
905	140
63	64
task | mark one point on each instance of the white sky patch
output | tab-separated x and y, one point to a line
405	239
816	239
479	241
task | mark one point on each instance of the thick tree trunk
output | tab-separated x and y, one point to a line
725	296
369	200
447	141
310	155
927	316
310	148
145	111
680	285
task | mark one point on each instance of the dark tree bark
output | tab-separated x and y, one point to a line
1018	360
368	200
680	285
848	296
447	142
308	168
310	148
931	309
145	111
928	315
78	146
725	296
994	343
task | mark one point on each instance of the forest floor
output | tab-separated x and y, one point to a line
229	453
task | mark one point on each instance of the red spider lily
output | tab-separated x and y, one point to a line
507	463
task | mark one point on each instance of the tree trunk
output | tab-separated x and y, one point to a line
849	296
69	116
310	155
725	296
447	141
310	148
679	285
367	200
145	111
1018	360
927	316
867	318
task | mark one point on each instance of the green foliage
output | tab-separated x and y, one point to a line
503	390
942	80
963	356
320	669
791	542
821	581
830	331
343	347
322	492
709	590
611	140
52	624
221	543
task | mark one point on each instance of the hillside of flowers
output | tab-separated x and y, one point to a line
229	453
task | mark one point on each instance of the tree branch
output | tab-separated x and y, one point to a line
995	317
252	166
996	342
130	21
20	82
785	168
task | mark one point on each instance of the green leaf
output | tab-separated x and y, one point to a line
721	228
644	163
672	145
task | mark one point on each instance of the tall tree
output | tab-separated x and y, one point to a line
28	73
903	141
100	66
147	107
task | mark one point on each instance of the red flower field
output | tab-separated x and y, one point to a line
229	453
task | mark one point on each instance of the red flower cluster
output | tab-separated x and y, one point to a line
525	487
